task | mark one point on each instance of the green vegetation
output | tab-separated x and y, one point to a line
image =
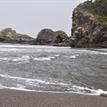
100	7
103	19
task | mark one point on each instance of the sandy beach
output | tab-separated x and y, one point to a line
14	98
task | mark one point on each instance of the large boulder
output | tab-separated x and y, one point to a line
45	36
50	37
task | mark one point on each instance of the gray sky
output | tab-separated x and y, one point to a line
30	16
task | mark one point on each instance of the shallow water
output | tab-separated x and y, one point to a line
47	68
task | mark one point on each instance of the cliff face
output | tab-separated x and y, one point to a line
88	28
11	36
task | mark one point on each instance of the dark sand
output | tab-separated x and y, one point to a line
13	98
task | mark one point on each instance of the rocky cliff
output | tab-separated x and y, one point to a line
89	29
11	36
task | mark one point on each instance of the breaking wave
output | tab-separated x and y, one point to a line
44	85
44	58
25	59
72	56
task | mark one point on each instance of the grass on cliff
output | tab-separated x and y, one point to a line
99	7
103	18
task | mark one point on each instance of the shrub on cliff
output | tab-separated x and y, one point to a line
101	7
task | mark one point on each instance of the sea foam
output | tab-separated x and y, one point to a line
23	59
43	58
70	87
72	56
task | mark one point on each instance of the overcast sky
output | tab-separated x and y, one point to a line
30	16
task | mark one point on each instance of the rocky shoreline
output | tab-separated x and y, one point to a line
44	37
89	30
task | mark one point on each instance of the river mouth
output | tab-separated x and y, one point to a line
53	69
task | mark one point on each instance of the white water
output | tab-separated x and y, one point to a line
46	59
72	89
25	58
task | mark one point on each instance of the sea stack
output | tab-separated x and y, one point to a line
50	37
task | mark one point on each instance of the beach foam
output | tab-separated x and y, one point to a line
11	49
43	58
23	59
85	51
72	56
70	87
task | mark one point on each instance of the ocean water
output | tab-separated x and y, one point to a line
53	69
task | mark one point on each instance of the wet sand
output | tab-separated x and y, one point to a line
14	98
100	49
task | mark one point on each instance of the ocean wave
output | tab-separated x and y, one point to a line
31	46
18	47
56	55
43	58
78	90
85	51
72	56
97	52
15	88
10	49
65	87
23	59
87	91
15	46
30	80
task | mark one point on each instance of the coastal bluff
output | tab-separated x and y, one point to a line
89	25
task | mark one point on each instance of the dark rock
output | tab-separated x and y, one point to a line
50	37
45	36
11	36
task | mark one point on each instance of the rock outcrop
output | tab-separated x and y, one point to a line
44	37
88	28
50	37
11	36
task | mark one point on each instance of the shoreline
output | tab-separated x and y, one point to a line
91	49
101	49
15	98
